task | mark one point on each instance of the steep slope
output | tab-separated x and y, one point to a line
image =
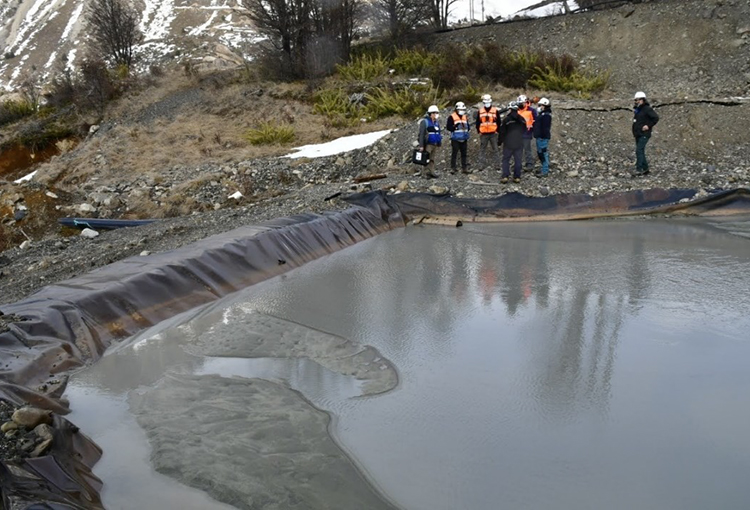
671	48
46	36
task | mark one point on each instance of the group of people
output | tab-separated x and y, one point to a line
514	127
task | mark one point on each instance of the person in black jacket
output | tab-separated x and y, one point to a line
644	120
512	129
542	133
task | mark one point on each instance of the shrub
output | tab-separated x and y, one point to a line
415	62
409	101
11	110
583	82
270	134
332	102
364	68
337	107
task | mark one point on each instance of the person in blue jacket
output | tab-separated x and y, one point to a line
458	126
430	139
542	133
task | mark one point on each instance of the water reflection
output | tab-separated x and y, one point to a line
539	362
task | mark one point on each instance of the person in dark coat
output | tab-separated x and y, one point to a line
542	133
512	129
644	120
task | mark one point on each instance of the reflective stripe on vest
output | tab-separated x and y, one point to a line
433	132
488	120
529	116
460	128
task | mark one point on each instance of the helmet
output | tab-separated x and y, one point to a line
486	98
460	106
433	109
522	99
640	95
544	102
513	105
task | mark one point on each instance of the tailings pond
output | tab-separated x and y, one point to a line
565	365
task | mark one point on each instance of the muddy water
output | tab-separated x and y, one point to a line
546	365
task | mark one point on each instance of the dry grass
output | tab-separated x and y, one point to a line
208	131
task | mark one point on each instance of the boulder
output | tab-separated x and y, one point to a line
30	417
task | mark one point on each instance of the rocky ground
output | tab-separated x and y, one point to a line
584	160
592	152
26	431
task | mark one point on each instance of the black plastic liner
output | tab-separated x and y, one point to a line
101	224
72	323
518	207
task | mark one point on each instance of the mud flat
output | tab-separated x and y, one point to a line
193	430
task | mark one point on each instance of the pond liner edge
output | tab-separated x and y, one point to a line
70	324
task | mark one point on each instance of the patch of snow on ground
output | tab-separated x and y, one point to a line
163	17
32	24
50	61
71	58
338	146
152	50
209	21
25	178
17	70
72	21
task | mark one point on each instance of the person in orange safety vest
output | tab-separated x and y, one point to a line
458	125
526	111
488	123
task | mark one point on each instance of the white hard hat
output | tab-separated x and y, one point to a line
544	101
486	98
640	95
433	109
460	106
513	105
522	99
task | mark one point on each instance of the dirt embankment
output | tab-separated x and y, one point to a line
672	49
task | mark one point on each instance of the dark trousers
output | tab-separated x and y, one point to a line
641	163
517	154
457	146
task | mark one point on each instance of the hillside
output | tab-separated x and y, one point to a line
47	36
175	148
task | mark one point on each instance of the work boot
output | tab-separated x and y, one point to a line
516	179
465	171
429	174
504	180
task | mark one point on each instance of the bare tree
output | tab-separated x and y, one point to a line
114	26
440	10
286	22
313	35
401	15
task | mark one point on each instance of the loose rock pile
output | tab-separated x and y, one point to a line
25	431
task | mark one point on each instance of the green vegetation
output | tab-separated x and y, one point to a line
406	101
387	85
364	68
414	62
11	111
270	134
583	82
